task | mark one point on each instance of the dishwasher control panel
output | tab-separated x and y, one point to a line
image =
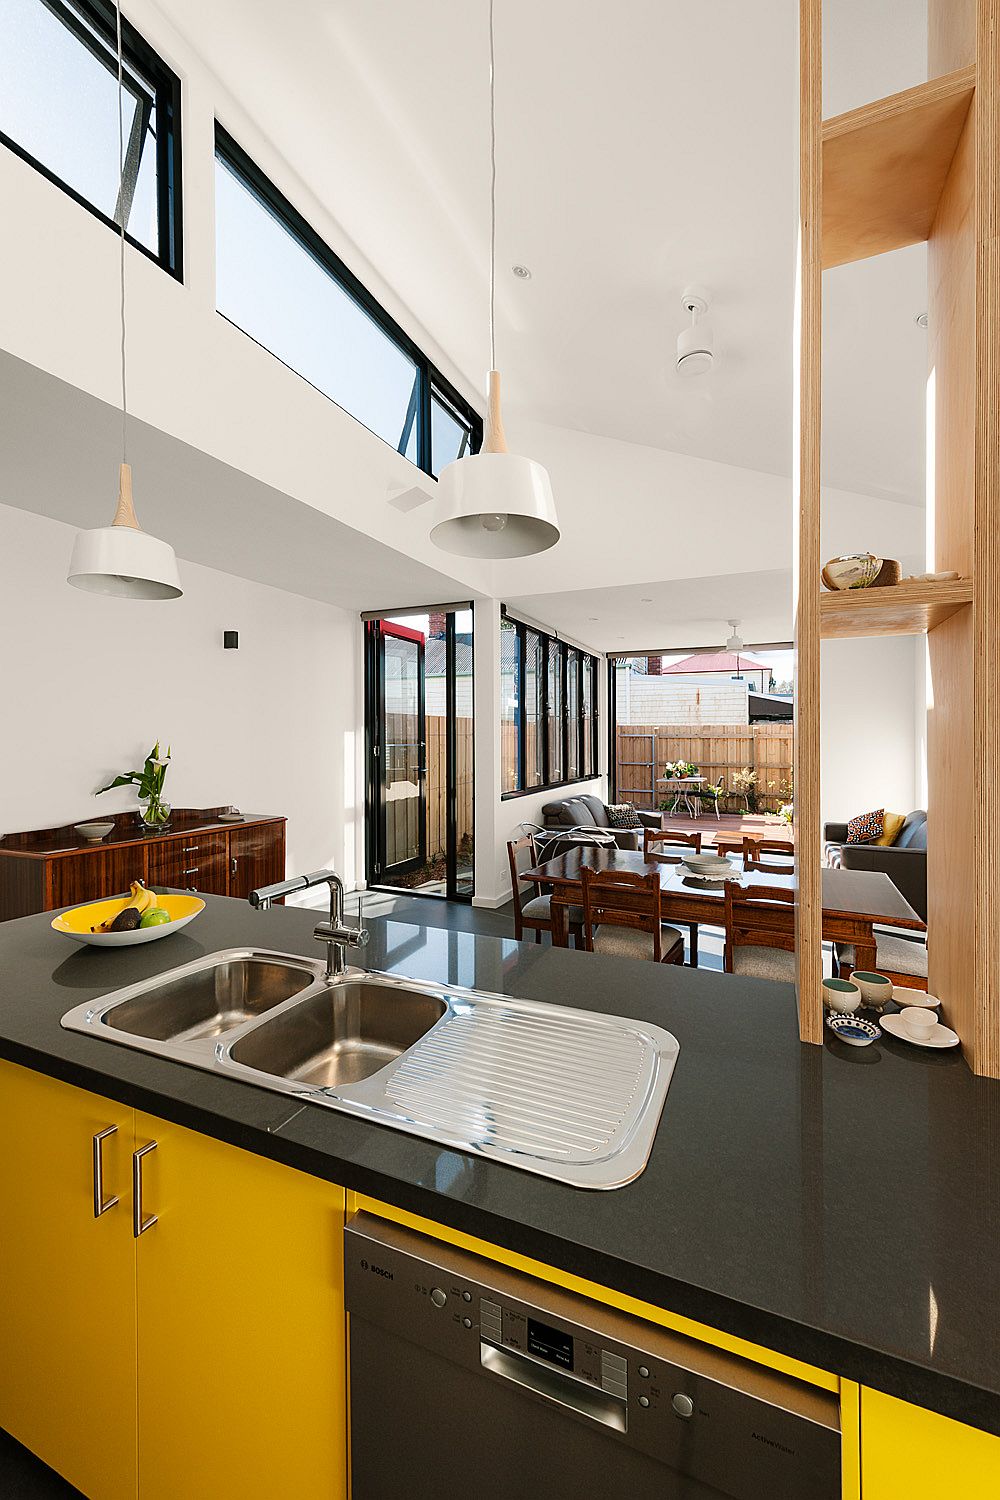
727	1423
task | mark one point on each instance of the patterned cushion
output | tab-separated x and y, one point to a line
764	963
896	954
540	908
622	815
866	828
630	942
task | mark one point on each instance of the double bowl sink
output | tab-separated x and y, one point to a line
563	1093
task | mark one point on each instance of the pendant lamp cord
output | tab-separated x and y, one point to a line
493	200
121	222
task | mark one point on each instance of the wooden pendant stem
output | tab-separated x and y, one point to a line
125	514
494	440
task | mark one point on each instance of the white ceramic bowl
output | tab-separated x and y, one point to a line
876	988
904	995
707	864
918	1022
92	833
841	996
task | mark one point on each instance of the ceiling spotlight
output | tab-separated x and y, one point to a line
593	619
645	599
921	320
694	344
521	272
735	641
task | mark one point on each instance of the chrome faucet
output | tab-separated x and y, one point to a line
333	933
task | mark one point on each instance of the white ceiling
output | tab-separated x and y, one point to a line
684	612
59	459
640	148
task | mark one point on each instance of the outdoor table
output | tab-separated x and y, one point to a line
681	788
853	900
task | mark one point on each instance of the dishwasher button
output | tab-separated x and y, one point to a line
644	1371
466	1296
643	1400
683	1405
466	1322
438	1296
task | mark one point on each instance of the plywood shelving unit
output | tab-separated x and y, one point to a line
923	164
906	609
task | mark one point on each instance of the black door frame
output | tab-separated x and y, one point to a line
376	870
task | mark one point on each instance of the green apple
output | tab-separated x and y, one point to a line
154	917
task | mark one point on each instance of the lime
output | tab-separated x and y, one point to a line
155	917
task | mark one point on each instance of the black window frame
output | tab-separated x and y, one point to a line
584	662
140	58
429	377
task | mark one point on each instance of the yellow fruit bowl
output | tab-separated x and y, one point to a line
78	921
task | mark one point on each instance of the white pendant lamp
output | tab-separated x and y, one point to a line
121	559
494	503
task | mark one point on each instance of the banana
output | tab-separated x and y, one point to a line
139	897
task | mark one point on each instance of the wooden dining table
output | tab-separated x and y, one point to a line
853	900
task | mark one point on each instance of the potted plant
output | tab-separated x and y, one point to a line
154	814
745	785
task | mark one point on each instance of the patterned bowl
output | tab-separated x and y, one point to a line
858	571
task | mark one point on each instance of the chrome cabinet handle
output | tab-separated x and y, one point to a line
102	1204
232	865
140	1224
190	848
192	871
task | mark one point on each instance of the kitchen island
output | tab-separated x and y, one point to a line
839	1207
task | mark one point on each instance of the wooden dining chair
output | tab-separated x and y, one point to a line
534	913
756	849
760	932
655	842
621	917
728	843
901	959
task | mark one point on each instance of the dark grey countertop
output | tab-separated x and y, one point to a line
839	1205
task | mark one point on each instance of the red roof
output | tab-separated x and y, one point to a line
717	661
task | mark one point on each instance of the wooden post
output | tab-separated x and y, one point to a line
808	910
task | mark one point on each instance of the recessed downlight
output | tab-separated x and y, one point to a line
521	272
645	599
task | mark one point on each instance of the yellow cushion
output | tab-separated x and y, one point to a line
890	832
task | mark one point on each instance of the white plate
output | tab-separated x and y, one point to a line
941	1036
904	995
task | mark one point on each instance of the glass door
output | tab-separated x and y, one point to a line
420	752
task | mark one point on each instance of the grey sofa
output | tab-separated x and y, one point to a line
905	861
583	811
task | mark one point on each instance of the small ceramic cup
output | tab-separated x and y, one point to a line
841	996
918	1023
876	989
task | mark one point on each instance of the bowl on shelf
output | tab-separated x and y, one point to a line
904	995
857	571
93	833
853	1030
78	922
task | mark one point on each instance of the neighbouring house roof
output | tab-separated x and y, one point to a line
767	706
716	661
434	657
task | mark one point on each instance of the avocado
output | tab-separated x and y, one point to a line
126	921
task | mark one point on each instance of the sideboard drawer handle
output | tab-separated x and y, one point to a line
194	871
190	848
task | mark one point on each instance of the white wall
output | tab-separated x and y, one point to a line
869	713
90	682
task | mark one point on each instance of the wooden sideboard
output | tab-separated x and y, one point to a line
52	867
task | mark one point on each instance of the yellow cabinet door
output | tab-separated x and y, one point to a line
67	1282
241	1324
908	1453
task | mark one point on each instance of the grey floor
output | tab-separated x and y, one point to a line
24	1477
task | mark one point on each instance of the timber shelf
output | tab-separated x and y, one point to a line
885	166
908	608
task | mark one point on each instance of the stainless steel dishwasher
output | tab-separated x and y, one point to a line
472	1382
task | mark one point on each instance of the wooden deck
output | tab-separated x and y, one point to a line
765	825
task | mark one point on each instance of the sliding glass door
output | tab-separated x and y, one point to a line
420	804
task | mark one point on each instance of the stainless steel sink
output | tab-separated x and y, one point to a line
200	1003
341	1034
569	1094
